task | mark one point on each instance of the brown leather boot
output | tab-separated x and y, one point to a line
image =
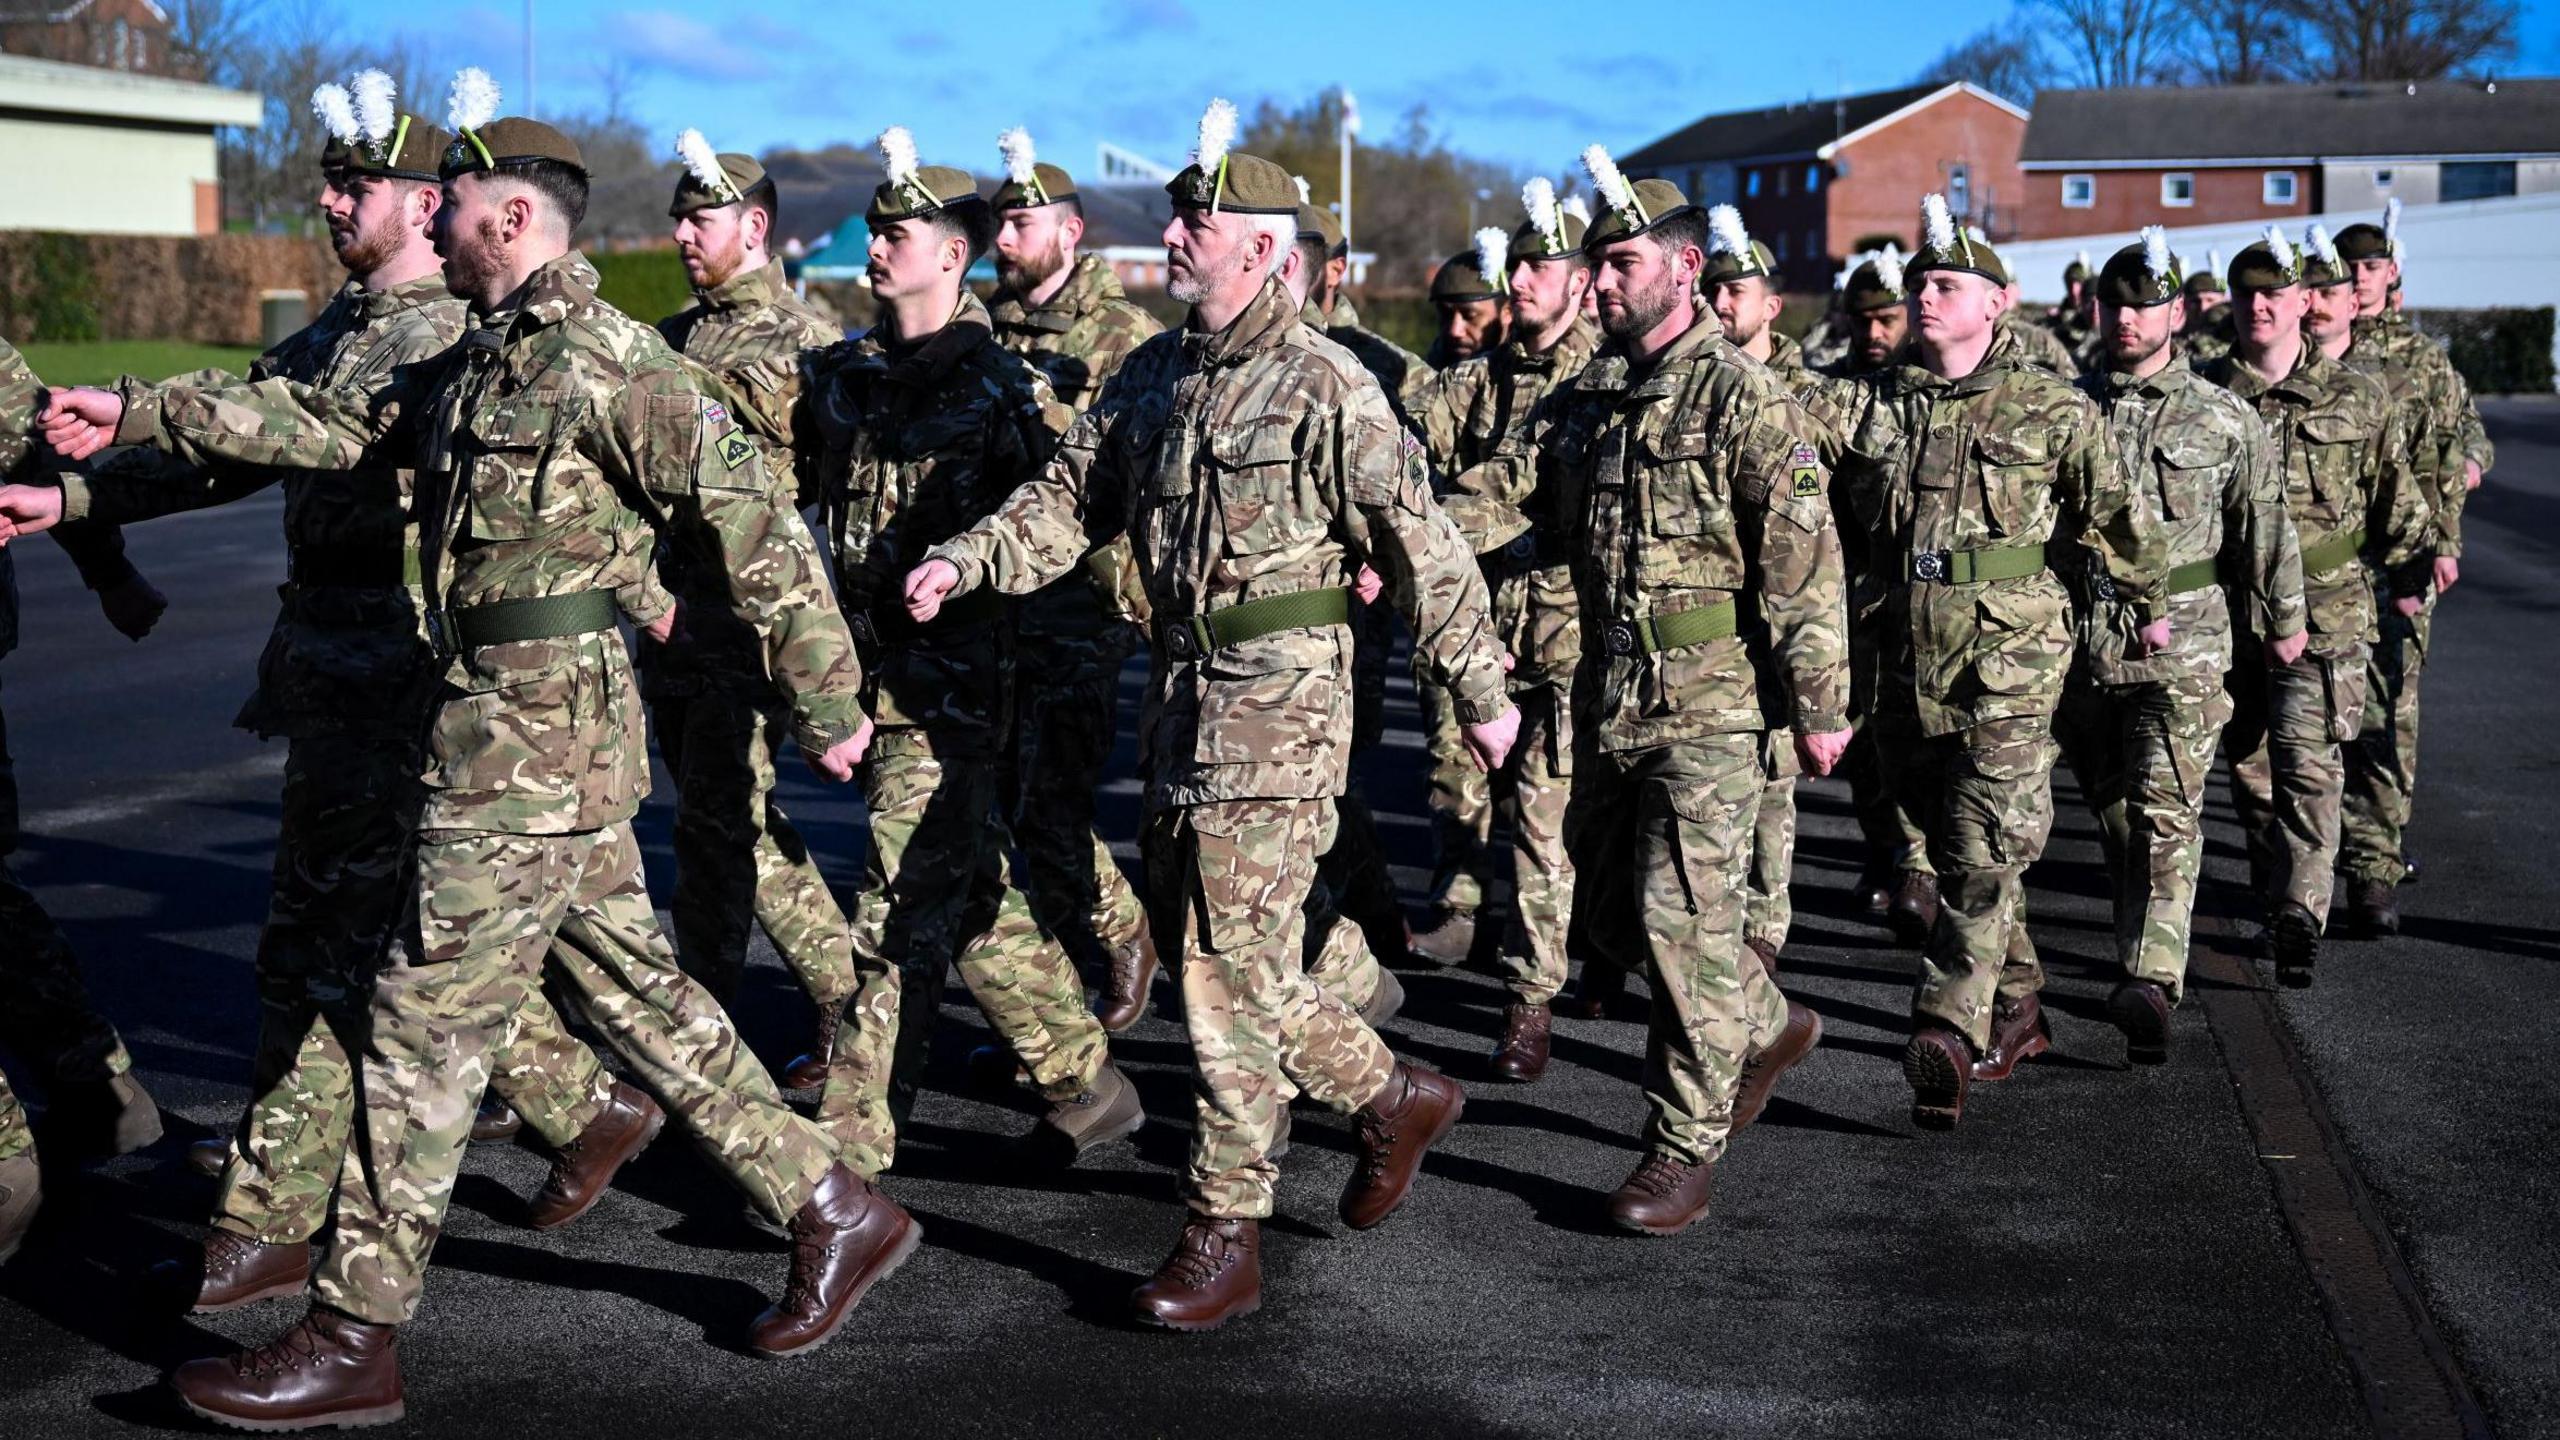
21	1193
2374	906
1939	1064
233	1272
848	1238
1127	979
1664	1196
1450	940
2018	1034
2293	938
1762	1067
208	1156
1387	1003
809	1072
1526	1033
584	1168
1915	907
1407	1118
105	1118
1213	1275
1766	954
1596	994
331	1369
1105	1111
1873	892
2140	1008
496	1121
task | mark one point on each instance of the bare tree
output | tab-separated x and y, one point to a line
2243	42
1410	191
2408	39
2008	59
2117	43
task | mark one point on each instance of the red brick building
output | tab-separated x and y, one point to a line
2111	161
129	35
1815	178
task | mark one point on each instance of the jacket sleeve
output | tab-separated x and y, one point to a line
1043	529
1794	548
2261	552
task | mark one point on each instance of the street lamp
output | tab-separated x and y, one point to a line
1350	128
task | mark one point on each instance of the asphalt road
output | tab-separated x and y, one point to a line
2099	1251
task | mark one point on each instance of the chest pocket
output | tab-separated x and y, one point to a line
1262	502
2017	480
2332	458
1688	514
2189	474
514	494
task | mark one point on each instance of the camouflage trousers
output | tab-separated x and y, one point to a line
1661	842
1876	754
1063	730
739	861
486	912
1355	865
1985	797
938	888
340	886
2382	765
46	1015
16	1136
1536	792
1227	885
2142	754
1465	874
1769	911
2290	726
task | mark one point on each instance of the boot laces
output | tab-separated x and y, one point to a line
1198	1257
288	1351
1658	1176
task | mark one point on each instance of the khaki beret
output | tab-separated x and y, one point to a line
932	189
1723	265
412	151
1655	202
511	141
1048	186
2127	279
740	171
2257	268
1246	184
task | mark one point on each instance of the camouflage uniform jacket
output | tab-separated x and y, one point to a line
2209	475
1682	484
2009	455
2045	345
1469	410
750	332
1078	341
350	641
1257	461
2388	348
550	444
2343	447
1402	374
902	447
95	547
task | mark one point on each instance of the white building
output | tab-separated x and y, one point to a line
110	152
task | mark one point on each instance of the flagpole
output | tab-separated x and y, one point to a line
1350	127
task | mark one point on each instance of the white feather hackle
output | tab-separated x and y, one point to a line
1612	184
2279	247
1019	156
336	113
377	109
1217	133
898	155
2317	241
1306	192
1538	199
1577	207
473	101
2186	264
2391	227
1725	235
1493	249
704	162
2213	263
2155	250
1889	268
1937	226
2083	258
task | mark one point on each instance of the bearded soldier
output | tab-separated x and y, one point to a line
1535	612
739	860
2140	730
550	442
1065	313
1691	493
1982	482
2453	452
1254	466
2353	498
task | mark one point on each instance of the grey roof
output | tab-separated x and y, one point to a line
1797	128
2249	122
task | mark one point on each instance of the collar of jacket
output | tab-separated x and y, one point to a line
2160	382
1090	285
1661	376
1566	356
921	366
552	293
748	289
1262	325
427	289
1997	362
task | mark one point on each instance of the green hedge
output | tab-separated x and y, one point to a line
2499	352
647	285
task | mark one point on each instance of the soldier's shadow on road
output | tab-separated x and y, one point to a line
722	1307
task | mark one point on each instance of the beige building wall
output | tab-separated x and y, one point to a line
101	179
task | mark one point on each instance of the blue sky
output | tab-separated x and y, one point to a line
1527	82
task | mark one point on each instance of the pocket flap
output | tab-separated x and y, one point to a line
2013	448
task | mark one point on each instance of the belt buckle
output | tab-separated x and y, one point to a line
1929	565
2104	584
1621	637
863	629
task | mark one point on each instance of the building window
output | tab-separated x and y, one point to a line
1751	182
1812	243
1960	189
2178	190
2476	179
2079	192
2277	187
2382	178
1782	247
1782	179
1812	179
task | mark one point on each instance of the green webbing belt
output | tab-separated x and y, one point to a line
1676	631
2195	575
1200	634
1972	567
2333	552
540	617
